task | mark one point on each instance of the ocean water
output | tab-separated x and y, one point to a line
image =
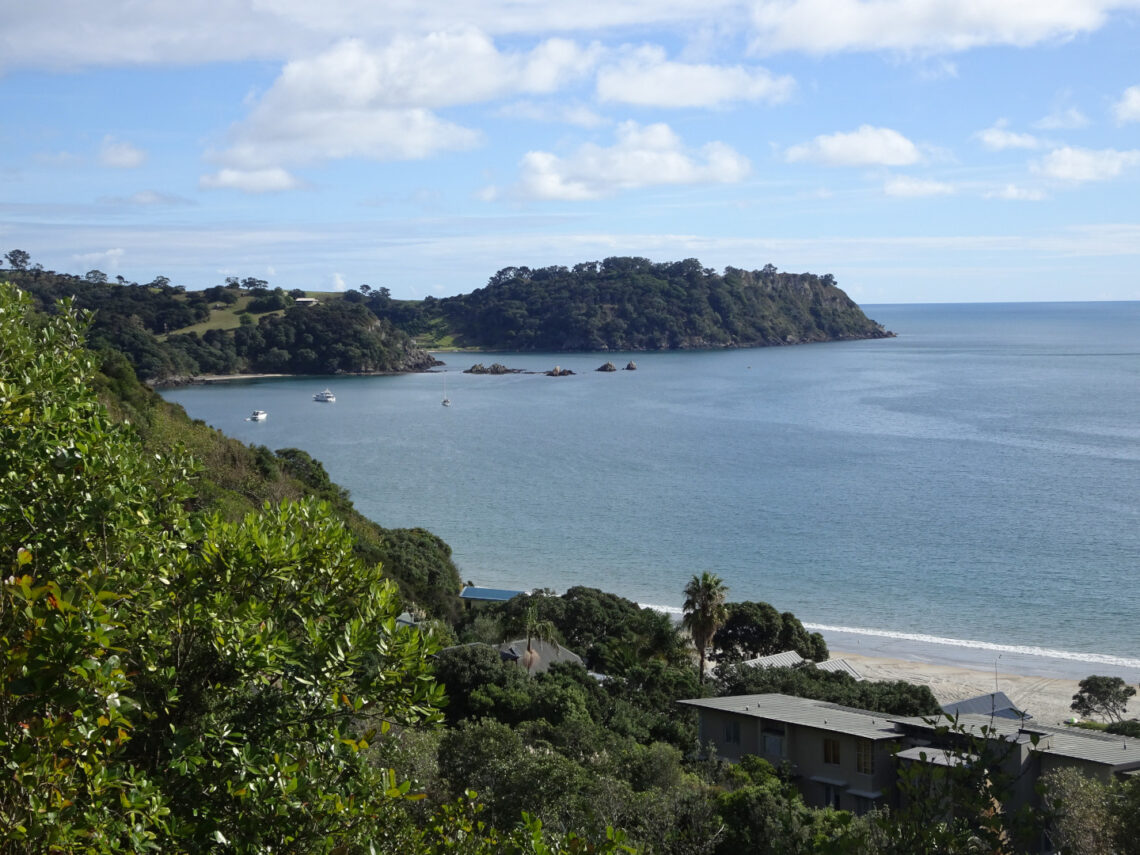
967	491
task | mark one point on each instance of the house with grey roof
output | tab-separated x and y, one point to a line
850	758
790	659
995	704
838	756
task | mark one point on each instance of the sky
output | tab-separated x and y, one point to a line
918	150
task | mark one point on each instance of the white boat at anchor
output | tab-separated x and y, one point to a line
258	416
325	396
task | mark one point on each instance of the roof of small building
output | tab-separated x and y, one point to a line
995	703
474	592
804	712
1118	752
790	659
547	654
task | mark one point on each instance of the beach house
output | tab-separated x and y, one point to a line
850	758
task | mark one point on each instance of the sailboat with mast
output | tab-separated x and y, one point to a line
446	400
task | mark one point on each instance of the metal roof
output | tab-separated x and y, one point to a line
787	659
995	703
804	712
840	665
500	595
790	659
1119	752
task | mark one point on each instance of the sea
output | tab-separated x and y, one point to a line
967	492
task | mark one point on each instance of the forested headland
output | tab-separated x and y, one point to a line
171	334
635	304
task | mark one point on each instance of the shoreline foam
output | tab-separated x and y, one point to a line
977	656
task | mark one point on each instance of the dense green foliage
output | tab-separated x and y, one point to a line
635	304
806	681
757	629
142	323
172	681
1103	696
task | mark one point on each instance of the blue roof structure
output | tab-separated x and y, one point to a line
497	595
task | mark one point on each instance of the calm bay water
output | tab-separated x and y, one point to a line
976	479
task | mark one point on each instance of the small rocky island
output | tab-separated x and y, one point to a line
609	366
495	368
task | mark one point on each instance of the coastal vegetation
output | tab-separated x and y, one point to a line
625	303
171	334
201	650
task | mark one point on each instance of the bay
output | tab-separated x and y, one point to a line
975	481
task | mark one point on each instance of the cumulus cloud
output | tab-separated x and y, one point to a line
867	146
998	138
354	100
1079	165
437	70
931	26
120	155
1127	109
271	180
647	79
105	258
914	188
1018	194
549	111
642	156
1062	119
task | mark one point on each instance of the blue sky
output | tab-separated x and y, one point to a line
919	150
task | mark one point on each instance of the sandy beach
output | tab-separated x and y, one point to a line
1047	699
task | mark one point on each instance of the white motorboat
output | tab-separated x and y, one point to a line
258	416
325	396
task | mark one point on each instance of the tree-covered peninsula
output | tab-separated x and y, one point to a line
171	334
636	304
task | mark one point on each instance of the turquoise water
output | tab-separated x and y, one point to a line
975	479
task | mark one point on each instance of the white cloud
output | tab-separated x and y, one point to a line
377	103
1062	119
913	188
270	180
191	32
997	138
338	283
867	146
643	156
146	198
106	258
931	26
1018	194
1127	109
437	70
1082	164
646	78
548	111
120	155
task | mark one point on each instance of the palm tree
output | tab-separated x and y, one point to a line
704	612
543	631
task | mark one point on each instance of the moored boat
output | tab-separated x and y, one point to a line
326	396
